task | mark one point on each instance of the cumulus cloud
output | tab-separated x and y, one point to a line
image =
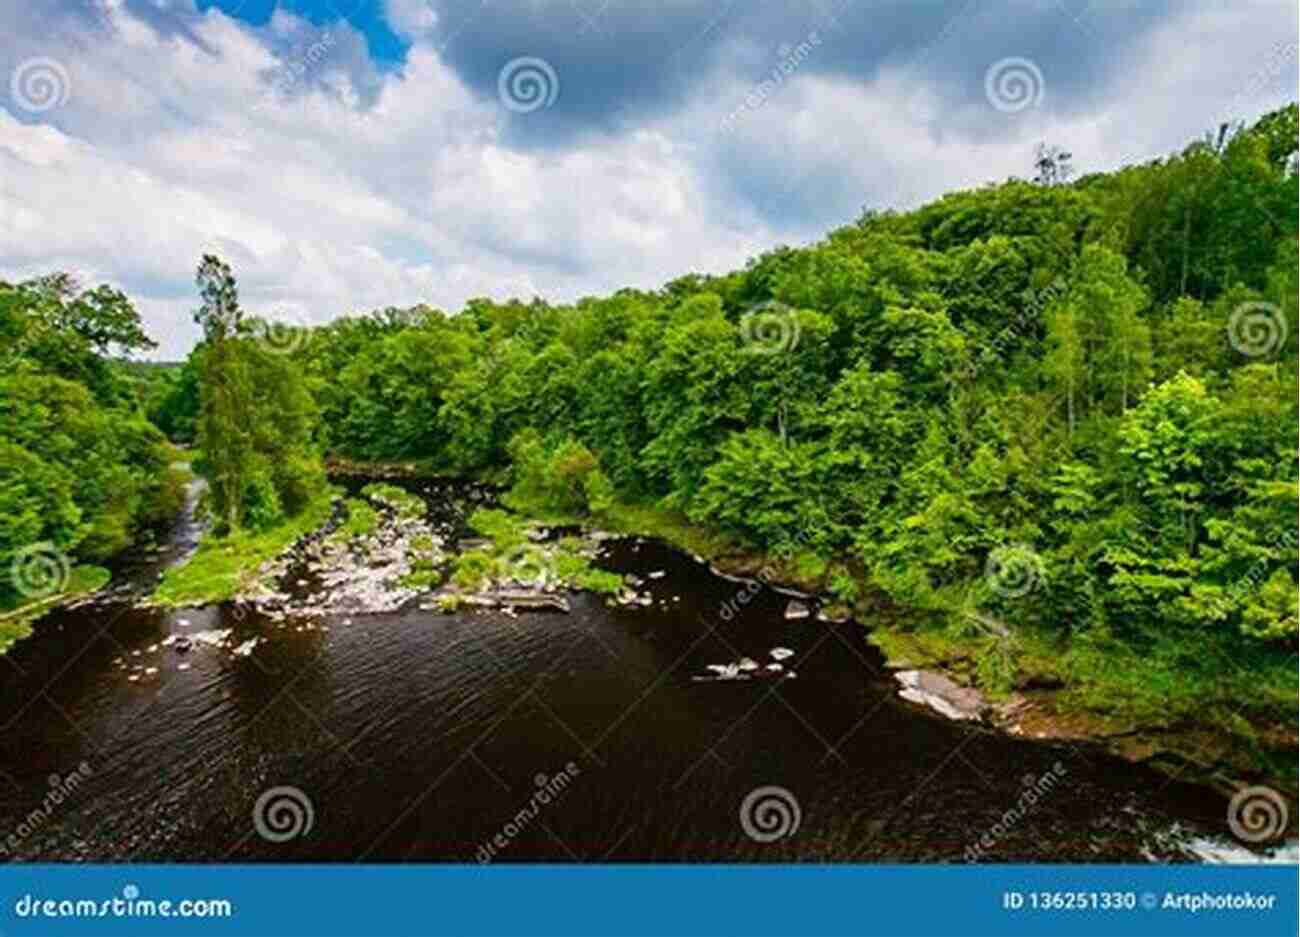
334	183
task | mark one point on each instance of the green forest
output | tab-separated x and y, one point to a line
1048	425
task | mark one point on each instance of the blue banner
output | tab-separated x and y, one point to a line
651	901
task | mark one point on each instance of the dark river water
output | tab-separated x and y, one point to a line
425	736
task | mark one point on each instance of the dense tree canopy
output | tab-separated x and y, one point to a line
1057	368
82	470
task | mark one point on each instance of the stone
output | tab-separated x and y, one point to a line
941	694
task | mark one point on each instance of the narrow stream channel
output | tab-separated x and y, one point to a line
420	736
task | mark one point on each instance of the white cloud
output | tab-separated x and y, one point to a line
411	17
336	188
321	205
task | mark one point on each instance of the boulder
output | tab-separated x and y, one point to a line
941	694
797	610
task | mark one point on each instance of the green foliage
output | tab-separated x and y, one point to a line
256	418
401	502
224	566
1038	380
561	478
361	520
80	467
473	569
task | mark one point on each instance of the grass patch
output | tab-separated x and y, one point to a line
634	519
647	520
361	521
16	620
1212	687
1169	682
421	579
513	555
473	569
402	502
224	566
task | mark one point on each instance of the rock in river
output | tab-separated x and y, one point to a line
797	610
941	694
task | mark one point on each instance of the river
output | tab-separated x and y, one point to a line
588	736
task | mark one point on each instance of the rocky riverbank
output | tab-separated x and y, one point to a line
517	565
942	678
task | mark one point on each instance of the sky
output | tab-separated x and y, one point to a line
348	155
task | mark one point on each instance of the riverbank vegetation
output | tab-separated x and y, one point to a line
83	473
254	425
1052	414
1043	429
